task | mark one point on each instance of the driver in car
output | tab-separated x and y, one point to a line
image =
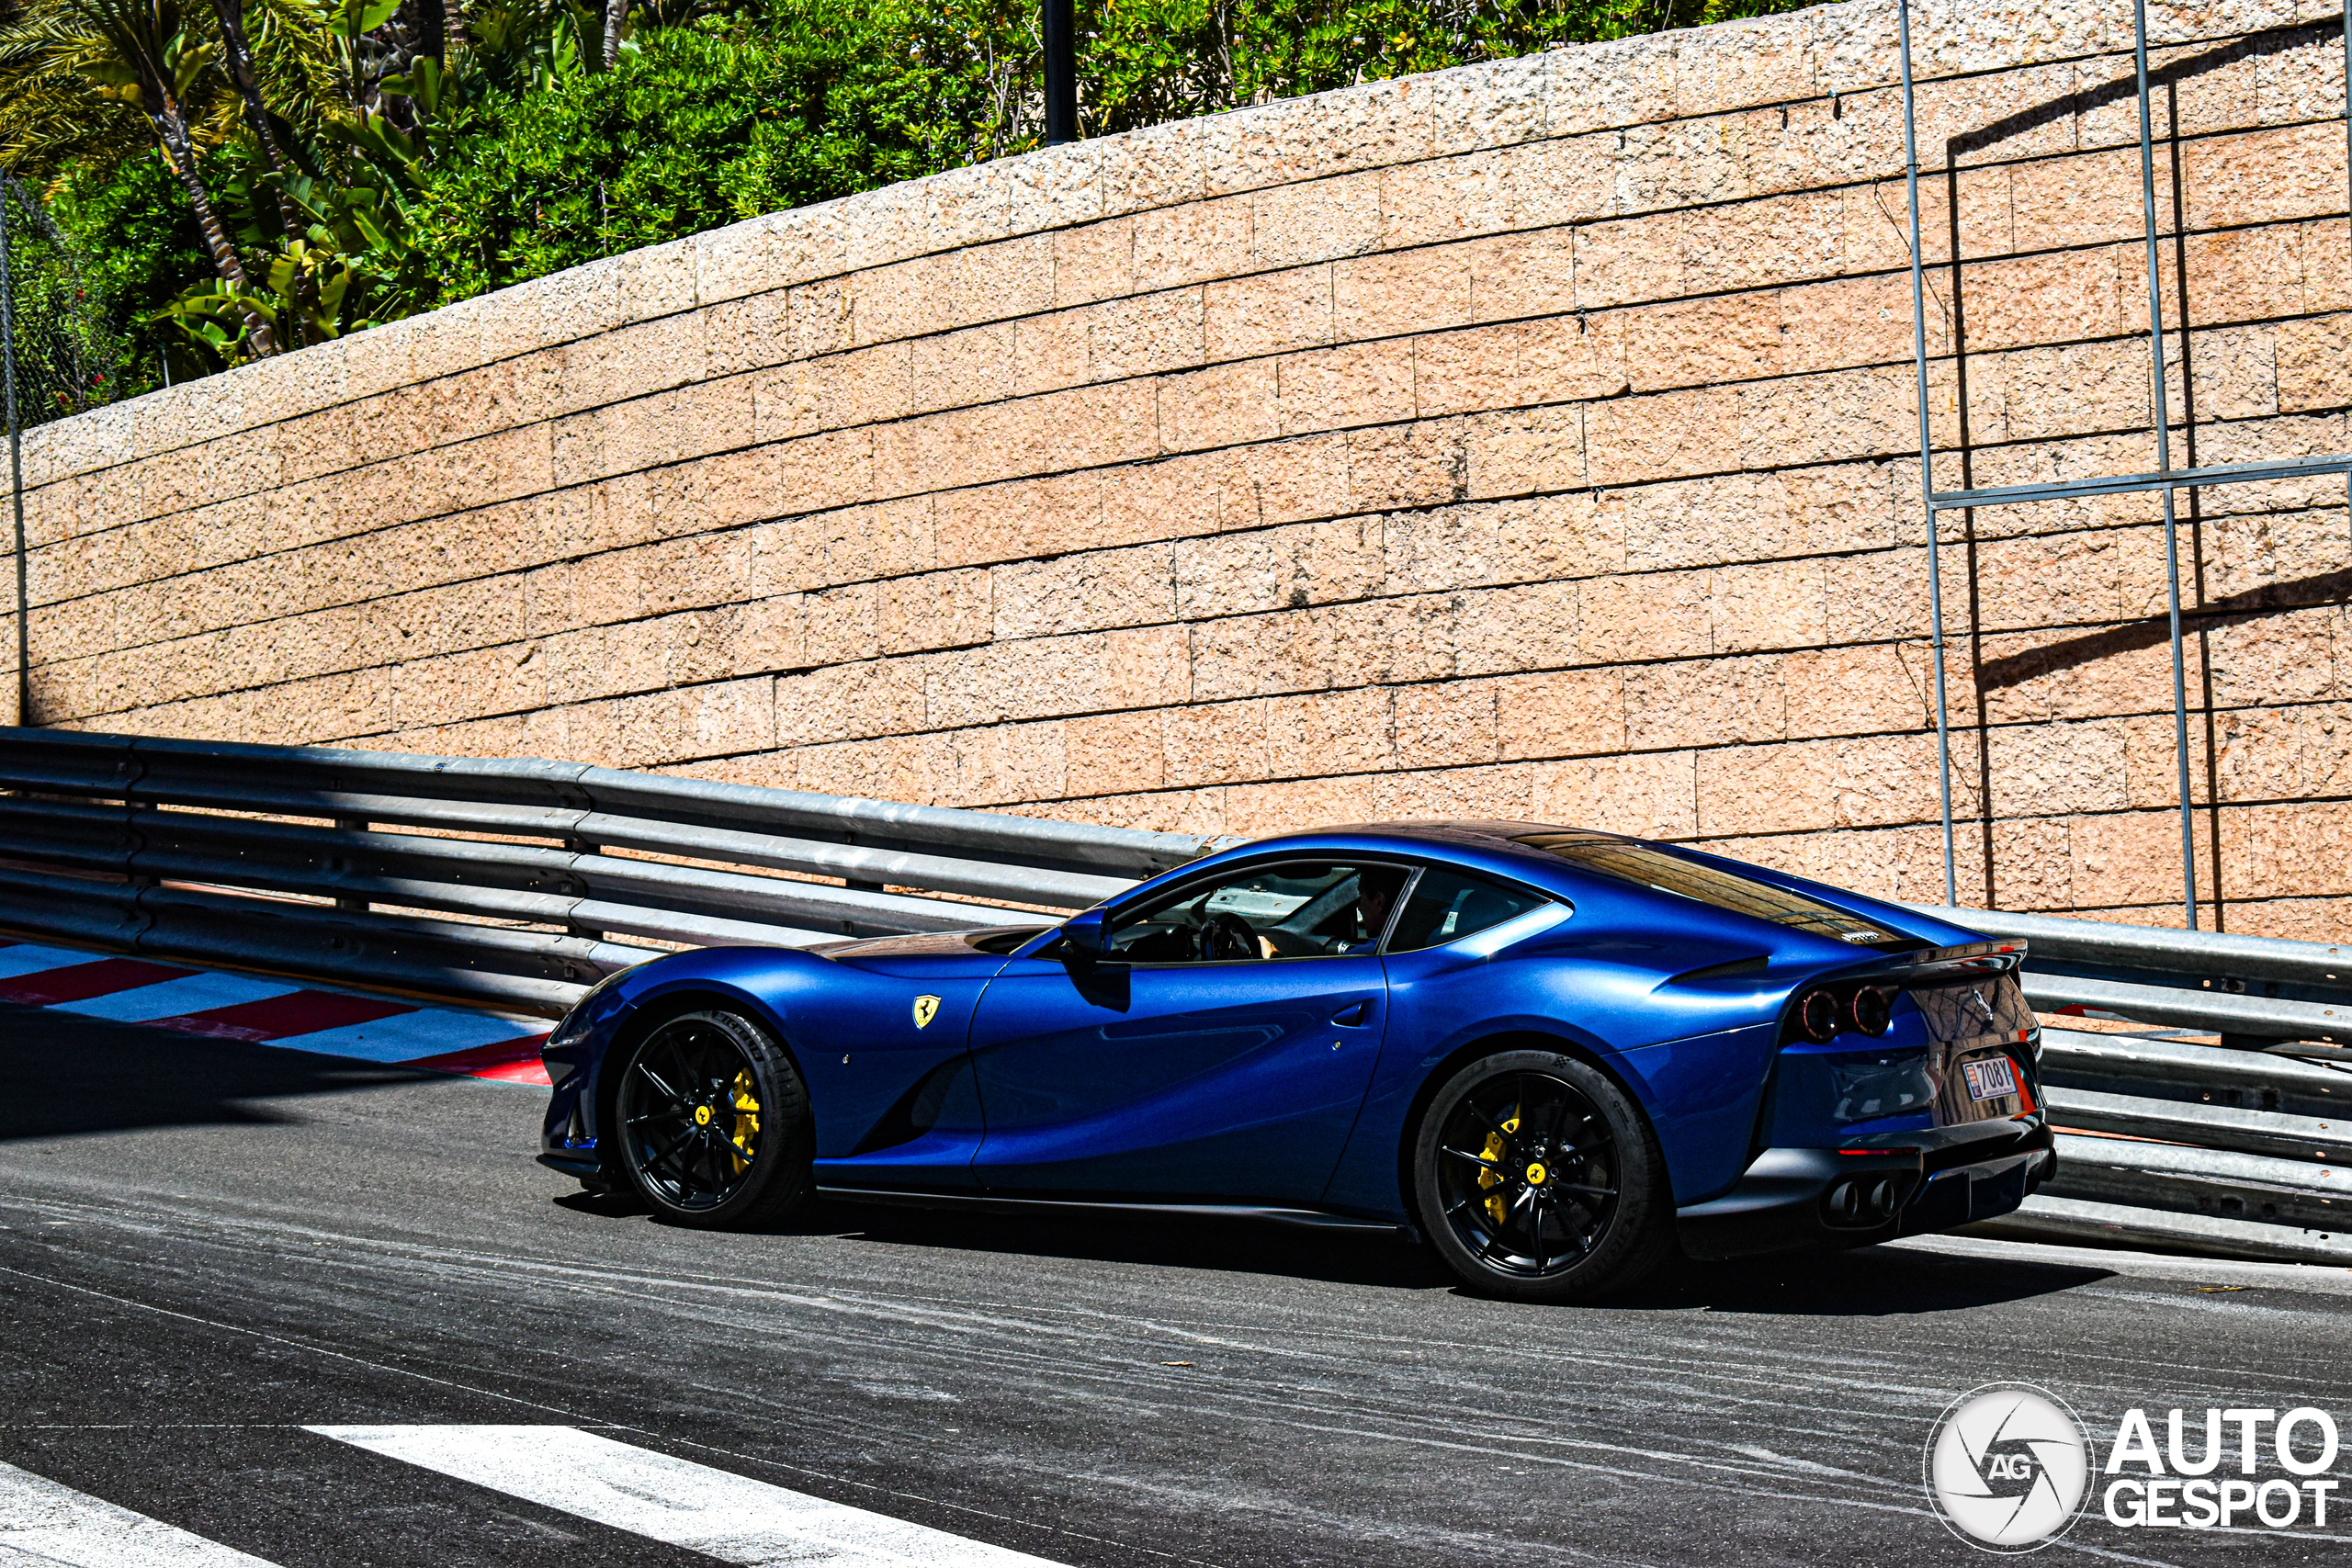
1363	923
1197	932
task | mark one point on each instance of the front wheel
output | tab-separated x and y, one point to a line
713	1121
1538	1179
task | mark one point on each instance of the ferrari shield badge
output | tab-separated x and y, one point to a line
926	1008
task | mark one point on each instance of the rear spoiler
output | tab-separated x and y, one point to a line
1937	963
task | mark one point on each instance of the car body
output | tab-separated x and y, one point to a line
1140	1056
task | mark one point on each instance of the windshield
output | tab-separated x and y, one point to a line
1295	910
1647	867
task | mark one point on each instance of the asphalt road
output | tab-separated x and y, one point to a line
205	1248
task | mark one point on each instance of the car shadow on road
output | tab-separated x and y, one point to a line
63	1074
1225	1245
1159	1240
1870	1282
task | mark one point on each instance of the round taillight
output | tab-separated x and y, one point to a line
1817	1016
1874	1010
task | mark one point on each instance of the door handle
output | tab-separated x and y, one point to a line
1352	1016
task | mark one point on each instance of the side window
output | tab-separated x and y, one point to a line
1446	905
1291	909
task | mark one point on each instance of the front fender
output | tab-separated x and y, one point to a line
766	983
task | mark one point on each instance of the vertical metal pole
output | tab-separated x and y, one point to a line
1061	72
1927	473
16	458
2164	466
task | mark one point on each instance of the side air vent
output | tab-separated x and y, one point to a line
1726	971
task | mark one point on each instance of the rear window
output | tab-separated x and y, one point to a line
1647	867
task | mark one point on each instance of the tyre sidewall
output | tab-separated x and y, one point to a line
1641	1230
780	1175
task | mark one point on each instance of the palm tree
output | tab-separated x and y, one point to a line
380	39
78	74
244	71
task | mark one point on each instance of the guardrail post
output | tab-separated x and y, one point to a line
351	825
129	771
577	928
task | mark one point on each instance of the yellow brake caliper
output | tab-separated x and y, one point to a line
1497	1210
746	1137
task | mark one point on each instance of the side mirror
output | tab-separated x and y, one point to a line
1084	933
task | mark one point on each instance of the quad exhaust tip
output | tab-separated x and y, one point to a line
1862	1200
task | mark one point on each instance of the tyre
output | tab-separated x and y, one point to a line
1538	1179
713	1122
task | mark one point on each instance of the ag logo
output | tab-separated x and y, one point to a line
926	1008
2008	1468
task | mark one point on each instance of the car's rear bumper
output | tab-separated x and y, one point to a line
1892	1185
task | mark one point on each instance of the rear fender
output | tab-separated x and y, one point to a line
1376	1170
1682	1017
1698	1095
1703	1095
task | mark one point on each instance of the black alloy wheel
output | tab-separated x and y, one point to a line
713	1121
1538	1179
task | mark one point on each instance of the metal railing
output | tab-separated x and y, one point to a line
519	883
2242	1148
2167	481
338	864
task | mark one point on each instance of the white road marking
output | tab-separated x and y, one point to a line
41	1522
715	1512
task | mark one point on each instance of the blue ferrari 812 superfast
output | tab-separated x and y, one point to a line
1557	1056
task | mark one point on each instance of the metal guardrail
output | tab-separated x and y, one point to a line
2256	989
520	882
183	849
2242	1148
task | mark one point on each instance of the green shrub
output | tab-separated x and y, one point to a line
701	125
527	158
139	249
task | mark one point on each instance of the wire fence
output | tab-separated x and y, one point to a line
57	350
54	351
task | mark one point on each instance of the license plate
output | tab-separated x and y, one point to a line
1990	1078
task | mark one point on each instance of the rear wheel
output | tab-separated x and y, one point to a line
1539	1180
713	1122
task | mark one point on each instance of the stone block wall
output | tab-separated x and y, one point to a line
1524	440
